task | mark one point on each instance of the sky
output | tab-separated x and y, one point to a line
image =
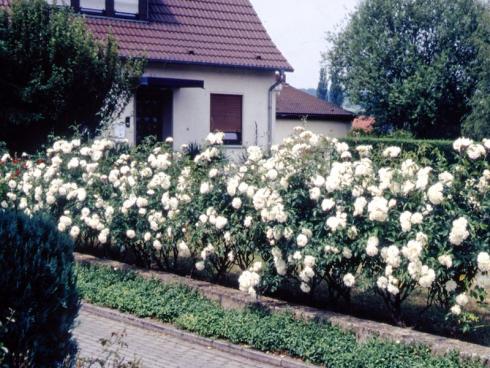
299	29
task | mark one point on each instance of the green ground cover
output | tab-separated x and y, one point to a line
314	342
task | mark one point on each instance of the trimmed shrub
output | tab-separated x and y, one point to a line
432	149
38	295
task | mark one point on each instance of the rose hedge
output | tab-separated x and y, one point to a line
314	210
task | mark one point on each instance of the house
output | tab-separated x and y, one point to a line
295	107
211	66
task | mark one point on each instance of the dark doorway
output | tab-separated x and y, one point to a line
153	113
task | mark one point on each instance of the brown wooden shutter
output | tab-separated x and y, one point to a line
226	113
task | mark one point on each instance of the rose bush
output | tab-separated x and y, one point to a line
314	210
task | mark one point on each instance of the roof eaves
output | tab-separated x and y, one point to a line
330	117
221	65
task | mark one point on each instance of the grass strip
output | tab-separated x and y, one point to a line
318	343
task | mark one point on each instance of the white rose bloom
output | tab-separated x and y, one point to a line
183	249
456	310
309	261
305	288
459	232
359	205
157	245
346	253
427	278
378	209
349	280
483	261
462	143
248	280
221	222
372	246
74	232
318	181
412	250
81	194
254	153
392	289
147	236
405	221
213	173
446	178
391	255
382	283
315	194
248	221
435	193
392	152
236	203
130	234
446	260
417	218
205	188
475	151
200	265
272	174
327	204
462	299
302	240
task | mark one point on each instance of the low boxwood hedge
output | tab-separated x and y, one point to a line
318	343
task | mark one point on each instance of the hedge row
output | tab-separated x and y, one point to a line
318	343
430	148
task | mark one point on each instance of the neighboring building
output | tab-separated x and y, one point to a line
211	66
296	107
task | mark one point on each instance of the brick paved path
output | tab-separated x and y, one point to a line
155	350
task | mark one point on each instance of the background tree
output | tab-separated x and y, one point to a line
336	93
54	74
477	124
410	63
322	90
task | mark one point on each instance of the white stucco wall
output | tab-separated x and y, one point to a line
192	106
284	128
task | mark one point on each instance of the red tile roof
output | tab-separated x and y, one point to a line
210	32
296	104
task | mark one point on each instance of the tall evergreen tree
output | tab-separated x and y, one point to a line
322	90
336	93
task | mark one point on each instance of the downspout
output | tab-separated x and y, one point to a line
280	80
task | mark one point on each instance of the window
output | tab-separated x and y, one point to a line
93	5
226	117
129	7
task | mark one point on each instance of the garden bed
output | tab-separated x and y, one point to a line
96	292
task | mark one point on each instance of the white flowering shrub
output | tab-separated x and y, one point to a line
314	210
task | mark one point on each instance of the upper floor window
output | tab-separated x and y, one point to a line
93	5
129	7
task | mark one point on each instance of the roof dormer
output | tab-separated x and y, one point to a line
128	9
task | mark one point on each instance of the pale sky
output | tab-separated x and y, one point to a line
299	28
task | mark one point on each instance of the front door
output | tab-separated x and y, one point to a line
153	113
